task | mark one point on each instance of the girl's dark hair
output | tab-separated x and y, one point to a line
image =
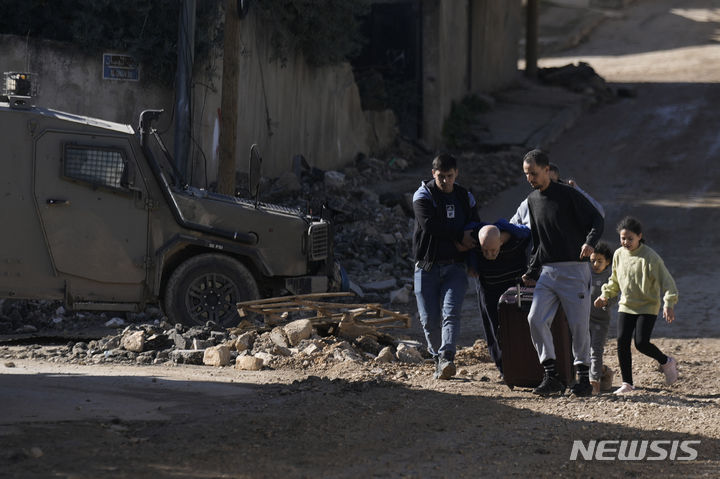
631	224
604	249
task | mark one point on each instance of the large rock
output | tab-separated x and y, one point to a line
245	341
187	356
408	354
385	355
298	330
217	356
277	336
178	339
133	341
266	357
248	363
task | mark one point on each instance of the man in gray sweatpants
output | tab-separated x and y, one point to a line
565	227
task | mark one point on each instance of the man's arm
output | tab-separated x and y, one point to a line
430	222
589	216
522	215
517	231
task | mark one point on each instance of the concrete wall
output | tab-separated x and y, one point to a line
496	28
286	110
445	61
70	80
469	46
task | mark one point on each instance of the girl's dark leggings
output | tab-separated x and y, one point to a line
641	325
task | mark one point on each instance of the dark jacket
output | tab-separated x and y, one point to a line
431	226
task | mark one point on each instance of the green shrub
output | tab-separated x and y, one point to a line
327	32
456	126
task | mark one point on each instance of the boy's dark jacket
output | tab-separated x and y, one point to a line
430	222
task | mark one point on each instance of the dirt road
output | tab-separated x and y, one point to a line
651	156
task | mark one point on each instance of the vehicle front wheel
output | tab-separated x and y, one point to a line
207	288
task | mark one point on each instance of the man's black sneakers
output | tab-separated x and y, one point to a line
550	386
582	388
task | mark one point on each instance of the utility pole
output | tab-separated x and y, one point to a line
229	101
531	38
183	87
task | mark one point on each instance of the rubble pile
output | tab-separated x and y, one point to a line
295	345
582	78
28	317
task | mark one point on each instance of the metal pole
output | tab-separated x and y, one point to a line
183	87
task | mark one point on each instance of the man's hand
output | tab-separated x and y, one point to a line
586	251
669	314
468	242
600	302
472	273
528	281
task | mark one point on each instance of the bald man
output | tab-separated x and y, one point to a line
498	263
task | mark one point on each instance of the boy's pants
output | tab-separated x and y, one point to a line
598	334
440	293
566	283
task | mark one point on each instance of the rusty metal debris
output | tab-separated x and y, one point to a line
352	319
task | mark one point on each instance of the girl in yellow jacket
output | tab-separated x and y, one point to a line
640	275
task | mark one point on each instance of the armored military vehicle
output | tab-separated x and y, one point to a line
94	214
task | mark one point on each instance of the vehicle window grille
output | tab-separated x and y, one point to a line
104	167
319	240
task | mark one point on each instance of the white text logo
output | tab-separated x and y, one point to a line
655	450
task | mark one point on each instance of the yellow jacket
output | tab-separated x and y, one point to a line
641	277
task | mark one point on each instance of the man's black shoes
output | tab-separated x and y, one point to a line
550	386
583	388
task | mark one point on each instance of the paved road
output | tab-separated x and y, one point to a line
655	156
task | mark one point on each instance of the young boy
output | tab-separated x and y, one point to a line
599	318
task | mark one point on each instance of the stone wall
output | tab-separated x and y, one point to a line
468	47
495	29
285	110
70	80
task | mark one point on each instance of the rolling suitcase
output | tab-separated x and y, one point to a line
520	363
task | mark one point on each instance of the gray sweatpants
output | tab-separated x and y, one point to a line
566	283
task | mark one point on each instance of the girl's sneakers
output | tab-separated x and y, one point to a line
670	370
624	389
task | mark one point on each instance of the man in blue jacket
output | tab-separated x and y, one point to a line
440	242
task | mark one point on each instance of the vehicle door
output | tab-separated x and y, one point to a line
91	200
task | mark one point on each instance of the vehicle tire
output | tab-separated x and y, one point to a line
207	288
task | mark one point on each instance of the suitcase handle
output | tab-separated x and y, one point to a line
519	296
